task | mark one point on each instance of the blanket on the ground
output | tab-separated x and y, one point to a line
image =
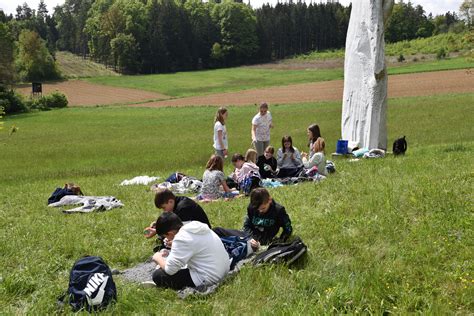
144	180
88	203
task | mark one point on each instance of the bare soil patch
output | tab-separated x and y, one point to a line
85	93
407	85
419	84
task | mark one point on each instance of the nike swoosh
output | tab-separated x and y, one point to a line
100	294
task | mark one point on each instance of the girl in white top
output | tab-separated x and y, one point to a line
261	124
317	159
220	133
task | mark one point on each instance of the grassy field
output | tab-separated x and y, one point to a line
185	84
73	67
450	42
385	236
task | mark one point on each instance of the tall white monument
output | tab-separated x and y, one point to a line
364	107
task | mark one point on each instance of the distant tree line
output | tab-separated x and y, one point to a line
155	36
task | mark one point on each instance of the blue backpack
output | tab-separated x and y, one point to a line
91	286
236	247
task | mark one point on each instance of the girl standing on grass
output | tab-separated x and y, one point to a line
220	133
261	124
288	159
212	179
317	159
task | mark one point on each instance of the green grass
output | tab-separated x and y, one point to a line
385	236
451	42
184	84
431	65
73	67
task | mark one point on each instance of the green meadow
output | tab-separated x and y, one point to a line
392	235
184	84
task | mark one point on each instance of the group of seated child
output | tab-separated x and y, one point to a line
249	170
191	253
194	254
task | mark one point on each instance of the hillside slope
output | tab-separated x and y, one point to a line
73	66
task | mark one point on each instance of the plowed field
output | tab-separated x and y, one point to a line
419	84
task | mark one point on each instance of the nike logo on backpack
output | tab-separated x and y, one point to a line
97	281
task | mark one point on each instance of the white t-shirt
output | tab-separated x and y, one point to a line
262	123
219	127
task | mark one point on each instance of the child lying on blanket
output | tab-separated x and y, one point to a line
264	219
197	255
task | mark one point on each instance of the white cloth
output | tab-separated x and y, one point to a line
318	160
185	186
139	180
364	108
198	247
262	123
219	127
89	203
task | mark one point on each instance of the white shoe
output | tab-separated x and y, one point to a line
148	284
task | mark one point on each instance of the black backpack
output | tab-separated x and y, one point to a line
91	286
400	146
287	252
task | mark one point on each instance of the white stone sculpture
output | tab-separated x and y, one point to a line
364	105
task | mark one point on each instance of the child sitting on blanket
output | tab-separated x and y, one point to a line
267	164
212	179
264	219
318	159
246	173
197	256
289	159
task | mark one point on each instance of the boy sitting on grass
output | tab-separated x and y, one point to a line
264	219
186	209
197	256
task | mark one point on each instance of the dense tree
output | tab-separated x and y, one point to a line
34	62
237	25
124	49
151	36
466	10
71	19
6	55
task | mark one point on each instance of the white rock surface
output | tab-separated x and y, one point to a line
364	106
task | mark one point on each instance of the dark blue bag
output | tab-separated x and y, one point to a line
236	247
91	286
175	177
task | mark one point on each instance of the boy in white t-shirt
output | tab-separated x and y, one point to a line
261	124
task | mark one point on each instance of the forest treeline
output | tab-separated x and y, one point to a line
156	36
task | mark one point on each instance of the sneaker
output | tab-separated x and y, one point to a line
148	284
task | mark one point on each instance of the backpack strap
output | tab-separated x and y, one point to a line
60	301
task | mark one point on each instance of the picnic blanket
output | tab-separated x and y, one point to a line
88	203
144	180
185	185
